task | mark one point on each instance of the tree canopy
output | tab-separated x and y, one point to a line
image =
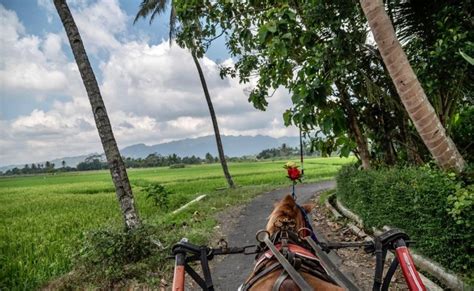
323	54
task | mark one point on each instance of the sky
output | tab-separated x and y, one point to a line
151	89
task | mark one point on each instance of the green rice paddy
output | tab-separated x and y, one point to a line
44	218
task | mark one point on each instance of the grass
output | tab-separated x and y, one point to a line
44	219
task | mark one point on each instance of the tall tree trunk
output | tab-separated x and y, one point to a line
354	127
123	189
409	89
220	148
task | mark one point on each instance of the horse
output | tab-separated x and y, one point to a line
285	223
291	257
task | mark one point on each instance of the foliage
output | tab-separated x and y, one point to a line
461	206
463	132
431	206
282	151
96	162
43	218
158	194
91	164
321	54
109	250
433	36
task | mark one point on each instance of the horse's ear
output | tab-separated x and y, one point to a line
308	207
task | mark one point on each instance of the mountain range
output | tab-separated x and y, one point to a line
234	146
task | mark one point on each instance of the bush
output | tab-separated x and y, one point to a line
158	194
431	206
109	252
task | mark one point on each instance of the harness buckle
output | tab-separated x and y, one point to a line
304	232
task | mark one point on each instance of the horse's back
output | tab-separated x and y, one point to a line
267	283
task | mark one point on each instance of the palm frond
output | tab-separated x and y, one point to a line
153	7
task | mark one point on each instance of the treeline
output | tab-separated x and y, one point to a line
96	162
38	168
284	151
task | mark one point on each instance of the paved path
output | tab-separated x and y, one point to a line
229	273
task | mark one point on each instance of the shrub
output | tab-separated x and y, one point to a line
158	194
431	206
108	252
462	205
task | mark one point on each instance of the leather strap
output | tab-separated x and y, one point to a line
330	267
279	281
260	275
297	278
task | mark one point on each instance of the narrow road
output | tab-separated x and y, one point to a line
229	273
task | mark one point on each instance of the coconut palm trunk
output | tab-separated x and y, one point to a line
220	148
123	189
411	93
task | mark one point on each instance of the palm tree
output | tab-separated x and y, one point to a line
409	89
123	189
156	7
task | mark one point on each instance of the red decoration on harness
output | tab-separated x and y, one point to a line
294	174
296	249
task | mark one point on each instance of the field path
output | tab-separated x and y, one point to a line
231	271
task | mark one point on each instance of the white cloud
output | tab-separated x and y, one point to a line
152	92
99	23
28	62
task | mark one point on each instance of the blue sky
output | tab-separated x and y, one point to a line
152	91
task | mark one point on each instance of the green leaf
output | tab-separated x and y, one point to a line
345	151
469	59
262	34
271	26
287	117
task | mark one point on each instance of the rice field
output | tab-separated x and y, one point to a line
44	218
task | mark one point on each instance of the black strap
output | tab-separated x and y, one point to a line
389	275
205	269
330	267
195	276
380	254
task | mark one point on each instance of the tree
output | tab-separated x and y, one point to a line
209	158
308	47
63	164
123	189
409	89
155	7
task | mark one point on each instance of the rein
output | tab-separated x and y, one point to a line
292	252
298	251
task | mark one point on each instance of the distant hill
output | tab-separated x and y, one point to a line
234	146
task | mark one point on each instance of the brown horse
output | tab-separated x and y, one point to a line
268	273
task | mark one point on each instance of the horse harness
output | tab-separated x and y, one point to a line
292	255
299	250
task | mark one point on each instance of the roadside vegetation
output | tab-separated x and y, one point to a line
435	208
50	222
